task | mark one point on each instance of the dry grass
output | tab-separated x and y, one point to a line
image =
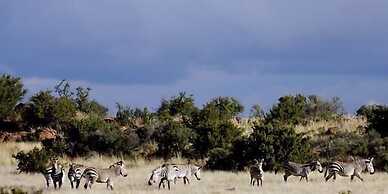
216	182
9	148
346	124
212	182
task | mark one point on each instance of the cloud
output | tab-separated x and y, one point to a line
250	89
136	51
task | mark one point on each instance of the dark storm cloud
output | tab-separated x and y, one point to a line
147	43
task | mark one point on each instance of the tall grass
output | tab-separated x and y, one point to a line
10	148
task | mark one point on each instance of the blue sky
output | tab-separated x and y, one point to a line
139	51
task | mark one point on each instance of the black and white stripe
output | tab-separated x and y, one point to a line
256	172
168	173
300	170
75	174
54	173
105	175
353	168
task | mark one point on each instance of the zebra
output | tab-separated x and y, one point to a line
352	168
256	172
168	173
302	170
155	175
105	175
54	174
75	174
186	171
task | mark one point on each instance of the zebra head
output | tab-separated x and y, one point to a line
369	165
119	169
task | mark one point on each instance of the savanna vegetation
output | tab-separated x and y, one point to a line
297	128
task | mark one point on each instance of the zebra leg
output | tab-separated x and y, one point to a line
161	182
55	184
301	178
71	184
77	183
86	184
329	176
168	183
286	177
188	181
307	179
109	184
358	176
261	181
254	181
251	180
60	183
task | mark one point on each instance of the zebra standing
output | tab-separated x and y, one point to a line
257	173
168	173
104	175
75	174
352	168
302	170
186	171
54	173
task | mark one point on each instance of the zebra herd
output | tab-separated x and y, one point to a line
351	168
170	173
54	173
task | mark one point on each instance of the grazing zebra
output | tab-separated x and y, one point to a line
105	175
352	169
168	173
302	170
54	174
155	175
257	173
75	174
186	171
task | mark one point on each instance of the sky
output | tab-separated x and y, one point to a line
136	52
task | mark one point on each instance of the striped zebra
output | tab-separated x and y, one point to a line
75	174
54	174
186	171
105	175
302	170
155	175
168	173
353	168
256	172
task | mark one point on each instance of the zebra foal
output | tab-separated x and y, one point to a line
354	168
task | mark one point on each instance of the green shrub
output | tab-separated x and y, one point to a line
33	161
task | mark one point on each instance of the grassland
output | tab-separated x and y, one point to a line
212	182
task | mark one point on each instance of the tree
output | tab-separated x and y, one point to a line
290	110
257	111
40	110
179	108
377	116
174	139
213	125
11	92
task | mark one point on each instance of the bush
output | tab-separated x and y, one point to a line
34	161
